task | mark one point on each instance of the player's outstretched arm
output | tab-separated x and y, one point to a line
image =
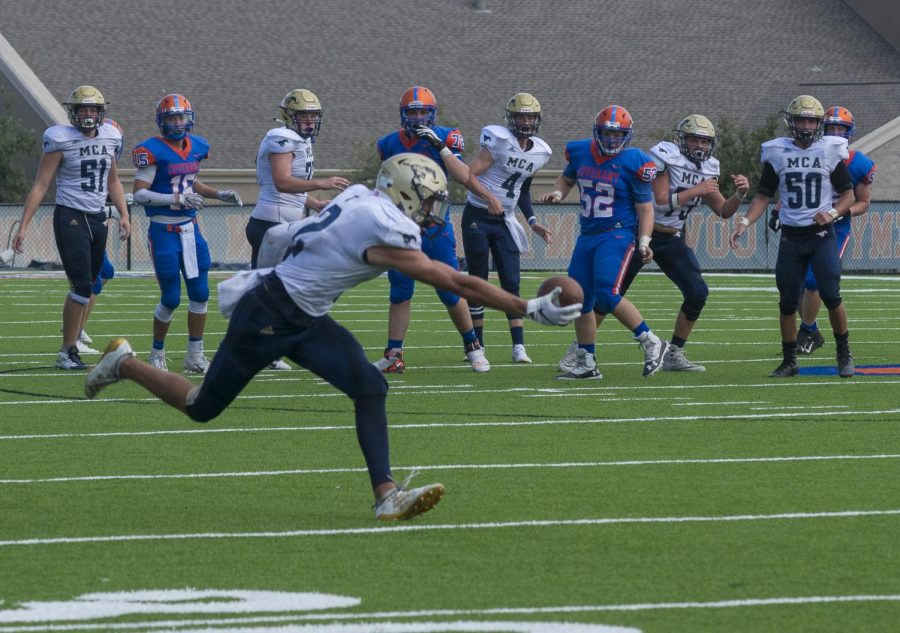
417	265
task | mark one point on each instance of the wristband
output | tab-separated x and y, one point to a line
673	200
745	222
644	241
445	151
834	214
532	221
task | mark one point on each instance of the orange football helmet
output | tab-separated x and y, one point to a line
836	115
174	105
418	106
615	119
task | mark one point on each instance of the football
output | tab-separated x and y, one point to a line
571	290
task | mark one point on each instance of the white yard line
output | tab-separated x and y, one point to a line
433	527
816	416
456	467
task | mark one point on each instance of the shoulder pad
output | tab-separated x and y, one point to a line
542	145
142	156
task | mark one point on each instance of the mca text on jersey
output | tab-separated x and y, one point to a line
183	168
519	163
605	175
93	150
808	162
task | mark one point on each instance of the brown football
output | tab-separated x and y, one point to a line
571	289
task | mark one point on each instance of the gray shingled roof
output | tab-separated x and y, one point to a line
235	60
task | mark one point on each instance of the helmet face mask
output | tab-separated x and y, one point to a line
841	121
86	108
695	136
174	116
523	115
613	129
418	107
798	115
301	111
416	185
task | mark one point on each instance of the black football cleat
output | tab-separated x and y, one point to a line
845	362
785	370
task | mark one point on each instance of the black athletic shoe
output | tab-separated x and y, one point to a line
785	370
808	342
845	362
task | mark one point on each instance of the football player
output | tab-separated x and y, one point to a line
509	157
355	238
107	270
82	157
686	175
809	173
284	171
166	184
614	181
838	122
420	133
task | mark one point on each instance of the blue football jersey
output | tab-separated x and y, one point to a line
609	185
398	142
176	168
861	167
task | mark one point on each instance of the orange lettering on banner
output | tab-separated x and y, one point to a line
717	234
881	243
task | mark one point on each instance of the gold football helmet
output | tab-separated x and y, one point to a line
805	107
520	104
84	96
698	126
416	185
294	106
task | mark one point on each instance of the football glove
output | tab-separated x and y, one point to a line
546	311
774	221
426	133
230	196
192	201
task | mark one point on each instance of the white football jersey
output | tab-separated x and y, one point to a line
82	177
683	174
804	176
273	205
326	251
511	167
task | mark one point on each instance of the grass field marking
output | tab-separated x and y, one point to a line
323	471
431	527
456	613
426	425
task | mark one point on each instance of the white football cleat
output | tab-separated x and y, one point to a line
84	338
158	359
279	365
401	503
654	351
585	367
106	371
478	360
569	360
196	362
519	355
675	360
84	348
